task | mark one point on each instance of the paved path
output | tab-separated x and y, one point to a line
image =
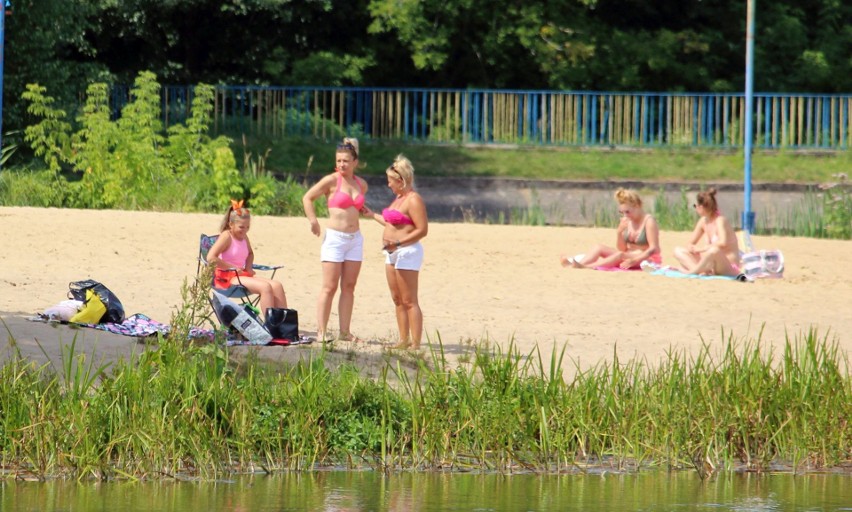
574	203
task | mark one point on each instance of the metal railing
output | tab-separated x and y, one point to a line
568	118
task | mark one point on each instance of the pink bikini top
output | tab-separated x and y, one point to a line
340	200
236	253
396	217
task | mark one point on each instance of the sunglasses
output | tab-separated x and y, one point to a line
624	212
348	147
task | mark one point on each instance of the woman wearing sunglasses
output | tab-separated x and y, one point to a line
720	253
637	239
343	245
405	224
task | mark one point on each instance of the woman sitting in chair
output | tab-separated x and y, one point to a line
232	258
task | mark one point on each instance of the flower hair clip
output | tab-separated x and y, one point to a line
237	207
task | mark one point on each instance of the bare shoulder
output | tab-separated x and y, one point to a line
651	221
322	186
362	182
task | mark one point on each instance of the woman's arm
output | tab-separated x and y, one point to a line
697	233
249	259
620	244
417	212
652	233
726	236
367	212
319	189
221	245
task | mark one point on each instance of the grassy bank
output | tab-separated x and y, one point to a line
183	410
291	155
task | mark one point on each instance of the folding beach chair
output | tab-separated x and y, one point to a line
235	291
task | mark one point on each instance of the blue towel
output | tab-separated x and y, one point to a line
670	272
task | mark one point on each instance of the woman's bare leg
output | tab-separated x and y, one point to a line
330	277
399	309
686	258
714	262
346	303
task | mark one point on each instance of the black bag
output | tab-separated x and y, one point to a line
114	309
283	323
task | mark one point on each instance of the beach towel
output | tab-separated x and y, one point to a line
671	272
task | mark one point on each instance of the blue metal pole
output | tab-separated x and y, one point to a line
2	48
748	214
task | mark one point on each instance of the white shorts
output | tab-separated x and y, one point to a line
338	246
409	257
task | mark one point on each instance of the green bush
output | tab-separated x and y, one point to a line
23	187
132	163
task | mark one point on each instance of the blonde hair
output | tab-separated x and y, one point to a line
401	168
629	197
349	145
235	212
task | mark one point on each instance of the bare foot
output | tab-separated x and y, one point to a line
348	336
402	345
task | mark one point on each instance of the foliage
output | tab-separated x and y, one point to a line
46	43
674	217
573	44
823	214
183	410
131	163
43	188
837	208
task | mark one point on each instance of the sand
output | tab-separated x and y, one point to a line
480	282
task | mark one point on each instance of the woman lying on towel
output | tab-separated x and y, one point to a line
636	240
720	254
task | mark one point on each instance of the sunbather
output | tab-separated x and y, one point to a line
720	254
637	239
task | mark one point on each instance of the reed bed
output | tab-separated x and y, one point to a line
181	411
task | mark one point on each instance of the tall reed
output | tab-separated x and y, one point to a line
181	410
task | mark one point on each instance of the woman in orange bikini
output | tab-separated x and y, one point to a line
405	223
343	245
637	239
721	254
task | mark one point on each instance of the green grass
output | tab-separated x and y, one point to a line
290	156
182	410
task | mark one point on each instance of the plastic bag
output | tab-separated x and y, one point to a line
92	311
114	309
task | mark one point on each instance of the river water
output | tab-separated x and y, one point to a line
426	492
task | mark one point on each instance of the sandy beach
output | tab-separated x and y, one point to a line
503	283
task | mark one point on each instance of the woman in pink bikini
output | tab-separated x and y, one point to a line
720	255
637	239
405	223
343	245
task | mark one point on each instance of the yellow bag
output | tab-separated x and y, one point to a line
92	312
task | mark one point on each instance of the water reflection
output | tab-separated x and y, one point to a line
338	491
